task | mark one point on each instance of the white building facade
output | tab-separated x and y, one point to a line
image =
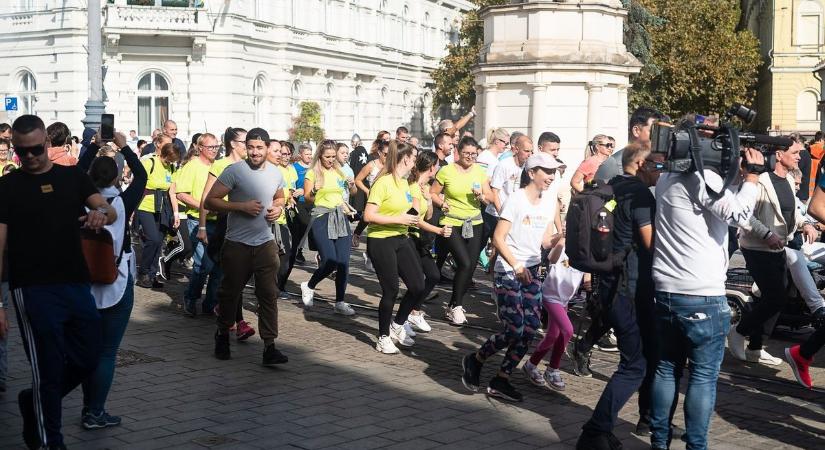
209	64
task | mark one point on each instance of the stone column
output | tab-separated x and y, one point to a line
538	105
490	91
594	104
94	105
621	133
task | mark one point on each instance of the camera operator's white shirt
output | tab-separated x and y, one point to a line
691	247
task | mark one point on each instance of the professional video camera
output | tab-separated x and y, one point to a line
690	147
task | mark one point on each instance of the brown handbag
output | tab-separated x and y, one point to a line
98	249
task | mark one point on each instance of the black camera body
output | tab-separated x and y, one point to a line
690	147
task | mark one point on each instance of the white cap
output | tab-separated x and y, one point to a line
543	160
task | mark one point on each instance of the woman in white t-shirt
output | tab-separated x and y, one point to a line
525	226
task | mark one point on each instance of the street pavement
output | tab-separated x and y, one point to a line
338	392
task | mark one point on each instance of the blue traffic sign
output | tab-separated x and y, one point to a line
11	103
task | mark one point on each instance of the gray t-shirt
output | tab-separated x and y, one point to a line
246	184
610	167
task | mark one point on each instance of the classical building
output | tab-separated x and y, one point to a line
555	66
792	36
208	64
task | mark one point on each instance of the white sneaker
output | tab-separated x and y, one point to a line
386	346
418	323
399	335
736	345
307	294
456	315
553	379
368	263
408	329
762	357
344	309
533	374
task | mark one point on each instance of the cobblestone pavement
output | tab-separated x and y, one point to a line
338	392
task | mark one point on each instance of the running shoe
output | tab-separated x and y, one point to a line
762	357
190	307
93	422
553	379
799	365
581	362
244	331
418	323
307	294
222	346
608	343
342	308
386	346
409	330
533	374
299	257
456	315
500	387
399	335
471	371
273	356
736	345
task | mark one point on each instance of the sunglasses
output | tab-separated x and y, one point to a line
35	150
606	144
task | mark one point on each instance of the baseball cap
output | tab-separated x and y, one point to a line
257	134
542	160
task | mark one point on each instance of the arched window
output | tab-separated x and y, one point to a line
258	99
27	89
807	112
153	102
809	23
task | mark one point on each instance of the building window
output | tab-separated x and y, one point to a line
809	23
258	98
807	112
27	89
153	102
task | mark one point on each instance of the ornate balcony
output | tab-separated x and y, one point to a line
154	20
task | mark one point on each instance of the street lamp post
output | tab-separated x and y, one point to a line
94	105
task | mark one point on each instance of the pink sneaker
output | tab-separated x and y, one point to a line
799	365
244	331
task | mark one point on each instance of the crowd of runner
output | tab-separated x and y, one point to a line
240	208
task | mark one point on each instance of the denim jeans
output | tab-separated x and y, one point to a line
114	320
689	327
202	267
4	362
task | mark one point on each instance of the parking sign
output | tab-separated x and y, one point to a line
11	103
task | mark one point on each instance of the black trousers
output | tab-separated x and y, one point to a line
287	259
431	276
465	253
768	270
395	257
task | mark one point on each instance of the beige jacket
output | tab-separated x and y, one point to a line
767	218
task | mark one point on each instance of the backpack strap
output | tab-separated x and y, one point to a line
152	168
125	233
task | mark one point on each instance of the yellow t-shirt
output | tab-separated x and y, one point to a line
220	165
331	193
393	198
159	177
458	192
290	178
191	179
423	205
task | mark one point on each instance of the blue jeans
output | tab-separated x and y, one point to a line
334	257
202	267
689	327
114	320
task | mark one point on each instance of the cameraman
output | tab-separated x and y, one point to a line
689	269
763	240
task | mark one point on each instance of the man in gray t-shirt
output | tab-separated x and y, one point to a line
254	188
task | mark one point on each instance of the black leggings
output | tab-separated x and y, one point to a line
298	227
285	267
465	253
768	270
393	257
431	274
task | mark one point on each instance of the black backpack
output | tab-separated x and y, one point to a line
589	249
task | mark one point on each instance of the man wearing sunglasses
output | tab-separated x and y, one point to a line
40	220
638	132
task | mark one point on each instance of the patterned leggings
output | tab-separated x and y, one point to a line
518	309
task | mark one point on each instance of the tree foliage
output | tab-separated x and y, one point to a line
453	78
698	62
307	126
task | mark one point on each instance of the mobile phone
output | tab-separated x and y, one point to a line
412	212
107	127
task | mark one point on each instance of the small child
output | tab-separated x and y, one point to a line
559	287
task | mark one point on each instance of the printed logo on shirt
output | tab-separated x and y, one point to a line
168	178
409	197
46	188
537	222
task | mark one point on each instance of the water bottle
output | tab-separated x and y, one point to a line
602	227
602	245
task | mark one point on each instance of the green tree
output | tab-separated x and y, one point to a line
453	81
698	61
307	126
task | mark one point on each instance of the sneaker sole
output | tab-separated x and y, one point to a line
274	363
794	368
608	349
494	393
246	335
530	378
93	426
467	385
381	350
553	387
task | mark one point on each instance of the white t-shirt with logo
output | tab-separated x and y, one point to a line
528	225
487	160
506	178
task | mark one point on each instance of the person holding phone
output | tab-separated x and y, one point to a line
390	212
466	188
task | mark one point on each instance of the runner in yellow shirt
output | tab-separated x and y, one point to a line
290	179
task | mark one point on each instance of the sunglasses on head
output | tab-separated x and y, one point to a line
35	150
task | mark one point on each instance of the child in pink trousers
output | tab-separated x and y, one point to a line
559	287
